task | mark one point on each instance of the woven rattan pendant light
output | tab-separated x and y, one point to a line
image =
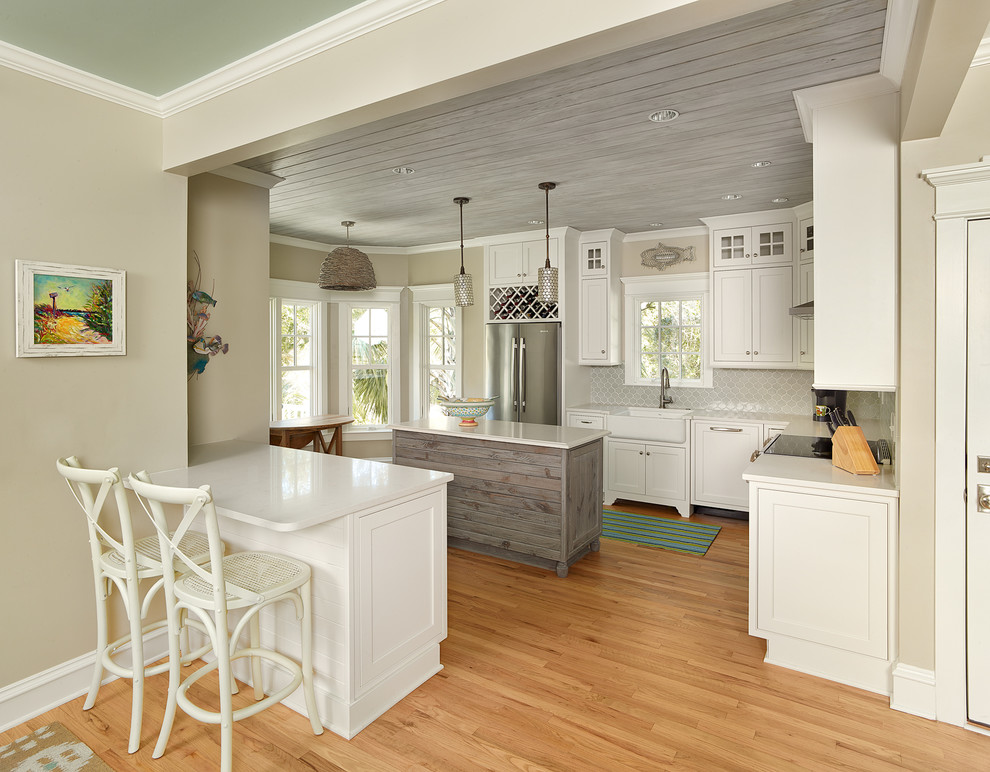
547	283
347	268
463	289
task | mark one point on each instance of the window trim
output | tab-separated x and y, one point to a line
425	297
640	289
279	291
382	297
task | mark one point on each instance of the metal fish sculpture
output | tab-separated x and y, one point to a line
662	256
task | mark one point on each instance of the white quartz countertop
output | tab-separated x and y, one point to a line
801	425
819	473
507	431
287	490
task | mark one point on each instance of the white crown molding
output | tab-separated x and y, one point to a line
810	99
897	31
352	23
55	72
330	33
250	176
958	175
982	54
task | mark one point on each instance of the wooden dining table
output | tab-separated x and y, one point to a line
300	432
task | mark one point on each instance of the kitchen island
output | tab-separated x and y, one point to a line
374	536
531	493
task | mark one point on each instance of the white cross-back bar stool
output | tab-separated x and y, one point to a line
122	563
250	581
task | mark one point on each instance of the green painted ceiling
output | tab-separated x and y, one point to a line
156	46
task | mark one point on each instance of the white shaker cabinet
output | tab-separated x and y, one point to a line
753	324
822	580
723	450
517	263
806	327
644	471
600	300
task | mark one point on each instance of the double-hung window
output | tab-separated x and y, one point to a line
667	326
369	371
436	348
298	369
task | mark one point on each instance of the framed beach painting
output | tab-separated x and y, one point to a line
69	310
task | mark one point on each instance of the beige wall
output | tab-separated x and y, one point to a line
964	140
85	187
441	267
228	230
303	264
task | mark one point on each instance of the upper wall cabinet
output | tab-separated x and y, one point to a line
518	263
749	246
600	298
806	238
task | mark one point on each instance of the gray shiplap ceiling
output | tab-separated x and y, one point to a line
586	128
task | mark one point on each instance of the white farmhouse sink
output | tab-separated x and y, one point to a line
649	423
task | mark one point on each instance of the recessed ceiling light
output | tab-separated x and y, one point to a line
761	164
403	170
663	116
536	222
731	196
656	224
780	200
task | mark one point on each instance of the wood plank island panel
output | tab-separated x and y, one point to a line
534	504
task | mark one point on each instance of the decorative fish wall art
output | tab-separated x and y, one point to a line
662	256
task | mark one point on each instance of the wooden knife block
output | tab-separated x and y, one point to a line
851	452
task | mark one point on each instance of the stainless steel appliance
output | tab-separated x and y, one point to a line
522	366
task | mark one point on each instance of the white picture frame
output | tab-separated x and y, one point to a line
83	316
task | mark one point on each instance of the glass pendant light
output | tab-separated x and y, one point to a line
547	284
463	289
347	268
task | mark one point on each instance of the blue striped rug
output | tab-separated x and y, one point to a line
661	532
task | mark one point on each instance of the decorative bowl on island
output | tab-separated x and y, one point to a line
467	409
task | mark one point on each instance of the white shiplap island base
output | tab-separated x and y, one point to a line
531	493
823	569
374	535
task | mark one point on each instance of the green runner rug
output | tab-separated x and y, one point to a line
661	532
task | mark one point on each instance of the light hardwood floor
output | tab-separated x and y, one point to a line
638	660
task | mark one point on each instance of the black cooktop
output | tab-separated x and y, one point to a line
818	447
795	445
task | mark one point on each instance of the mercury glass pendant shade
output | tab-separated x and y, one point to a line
463	285
347	268
546	285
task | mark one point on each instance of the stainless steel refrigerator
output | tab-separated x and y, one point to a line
522	366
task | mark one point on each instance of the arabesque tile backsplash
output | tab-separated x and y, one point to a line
751	391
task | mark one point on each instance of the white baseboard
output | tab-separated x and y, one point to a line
913	691
50	688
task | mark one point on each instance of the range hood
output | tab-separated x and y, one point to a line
804	310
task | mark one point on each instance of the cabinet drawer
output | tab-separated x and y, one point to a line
586	420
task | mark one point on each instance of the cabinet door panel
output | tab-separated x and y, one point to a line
594	258
666	472
772	244
505	264
722	452
626	467
731	248
822	570
594	319
535	257
806	238
773	326
733	316
806	327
